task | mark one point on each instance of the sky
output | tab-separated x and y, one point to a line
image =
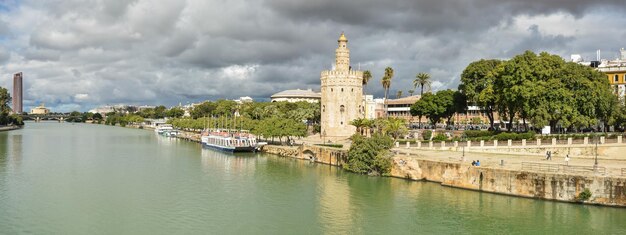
80	54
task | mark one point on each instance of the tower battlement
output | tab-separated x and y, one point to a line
342	72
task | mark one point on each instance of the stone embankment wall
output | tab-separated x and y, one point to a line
319	154
605	190
550	186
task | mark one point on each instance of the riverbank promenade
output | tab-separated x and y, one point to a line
609	166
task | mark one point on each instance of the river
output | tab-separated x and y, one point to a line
62	178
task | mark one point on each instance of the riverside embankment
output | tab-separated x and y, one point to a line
539	183
608	190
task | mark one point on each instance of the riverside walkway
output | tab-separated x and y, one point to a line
576	165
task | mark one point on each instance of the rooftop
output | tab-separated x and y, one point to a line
404	100
297	94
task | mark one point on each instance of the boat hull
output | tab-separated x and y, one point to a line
229	149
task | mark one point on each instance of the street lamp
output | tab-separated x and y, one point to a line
595	164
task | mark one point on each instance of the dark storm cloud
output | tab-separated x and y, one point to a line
429	16
84	53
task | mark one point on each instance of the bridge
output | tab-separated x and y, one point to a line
46	117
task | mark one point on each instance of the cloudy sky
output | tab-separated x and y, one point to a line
78	54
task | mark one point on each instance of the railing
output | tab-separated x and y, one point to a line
584	169
544	167
533	166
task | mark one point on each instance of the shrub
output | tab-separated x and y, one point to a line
370	155
331	145
584	195
477	133
440	137
426	134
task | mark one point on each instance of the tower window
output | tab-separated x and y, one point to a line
341	89
616	78
331	89
352	90
342	108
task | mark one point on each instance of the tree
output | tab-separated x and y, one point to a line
159	111
399	95
225	107
204	109
386	82
421	79
477	84
369	155
411	92
395	127
367	76
436	106
175	112
97	116
5	102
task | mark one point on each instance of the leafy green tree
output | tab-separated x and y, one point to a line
225	107
5	102
399	95
97	116
159	111
436	106
204	109
477	84
175	112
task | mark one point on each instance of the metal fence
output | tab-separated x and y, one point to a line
533	166
584	169
544	167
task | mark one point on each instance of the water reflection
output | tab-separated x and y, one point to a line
233	164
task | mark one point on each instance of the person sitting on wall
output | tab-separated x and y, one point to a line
477	162
473	163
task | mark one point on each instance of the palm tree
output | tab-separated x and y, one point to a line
396	127
411	92
359	123
386	82
421	79
399	95
367	75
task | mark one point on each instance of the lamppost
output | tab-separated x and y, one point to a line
595	164
463	140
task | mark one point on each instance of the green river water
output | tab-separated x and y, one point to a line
61	178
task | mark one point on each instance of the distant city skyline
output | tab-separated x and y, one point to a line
78	55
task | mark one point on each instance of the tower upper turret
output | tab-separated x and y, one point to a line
342	54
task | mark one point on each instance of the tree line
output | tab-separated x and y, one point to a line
530	89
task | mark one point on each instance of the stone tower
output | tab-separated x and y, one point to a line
342	94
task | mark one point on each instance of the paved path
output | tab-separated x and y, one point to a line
613	166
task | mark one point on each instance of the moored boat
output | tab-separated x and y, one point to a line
229	141
161	129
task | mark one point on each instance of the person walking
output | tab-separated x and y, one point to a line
567	160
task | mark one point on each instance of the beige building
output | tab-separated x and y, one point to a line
40	110
297	95
342	95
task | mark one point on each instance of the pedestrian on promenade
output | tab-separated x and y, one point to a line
567	160
473	163
477	162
